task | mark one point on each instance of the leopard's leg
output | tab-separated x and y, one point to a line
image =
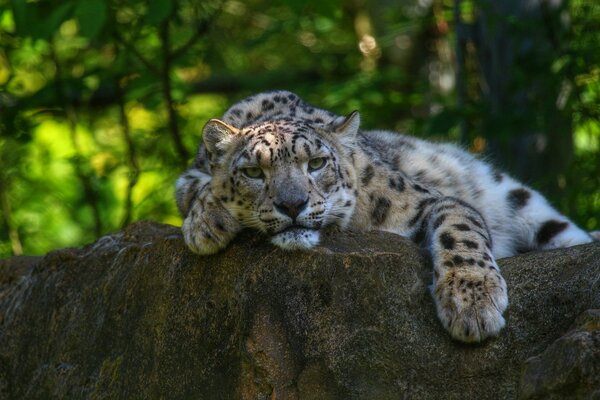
469	292
537	225
207	226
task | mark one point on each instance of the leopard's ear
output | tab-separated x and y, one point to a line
347	127
217	135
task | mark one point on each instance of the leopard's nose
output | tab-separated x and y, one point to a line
291	208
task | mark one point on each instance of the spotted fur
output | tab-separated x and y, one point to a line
280	166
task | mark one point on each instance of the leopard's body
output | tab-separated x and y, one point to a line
289	170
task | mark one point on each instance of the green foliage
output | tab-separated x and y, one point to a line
102	101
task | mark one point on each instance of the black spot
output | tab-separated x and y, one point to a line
380	211
481	263
420	235
518	198
397	184
307	149
462	227
470	244
475	222
366	175
458	260
267	105
420	188
439	221
249	115
448	264
549	229
421	210
447	240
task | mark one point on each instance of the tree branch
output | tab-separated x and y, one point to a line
165	75
130	46
461	84
134	168
13	232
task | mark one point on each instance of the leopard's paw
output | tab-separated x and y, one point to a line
470	303
208	228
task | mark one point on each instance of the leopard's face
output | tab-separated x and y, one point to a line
288	179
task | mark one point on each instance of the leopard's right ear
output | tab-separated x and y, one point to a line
217	135
346	128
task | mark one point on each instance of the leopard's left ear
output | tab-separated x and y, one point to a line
217	135
347	127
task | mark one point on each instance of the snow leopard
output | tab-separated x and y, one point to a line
278	165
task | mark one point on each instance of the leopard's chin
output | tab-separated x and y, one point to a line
296	238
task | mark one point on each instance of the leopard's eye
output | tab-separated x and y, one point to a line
253	172
316	163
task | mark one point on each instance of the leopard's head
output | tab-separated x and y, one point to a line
286	178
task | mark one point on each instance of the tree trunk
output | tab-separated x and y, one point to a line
526	115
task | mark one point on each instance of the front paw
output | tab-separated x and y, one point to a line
470	303
208	228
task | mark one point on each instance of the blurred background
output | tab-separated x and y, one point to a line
102	102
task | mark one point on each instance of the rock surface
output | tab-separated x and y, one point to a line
137	316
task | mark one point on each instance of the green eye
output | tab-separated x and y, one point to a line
316	163
253	172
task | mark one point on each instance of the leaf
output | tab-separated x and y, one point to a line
24	14
91	15
49	25
158	11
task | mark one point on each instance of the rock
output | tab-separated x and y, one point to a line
570	367
136	315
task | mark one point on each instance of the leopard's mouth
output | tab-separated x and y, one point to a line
295	228
295	237
299	228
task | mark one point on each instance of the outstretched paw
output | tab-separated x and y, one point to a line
470	303
208	227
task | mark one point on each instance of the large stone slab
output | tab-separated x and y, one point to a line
137	316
